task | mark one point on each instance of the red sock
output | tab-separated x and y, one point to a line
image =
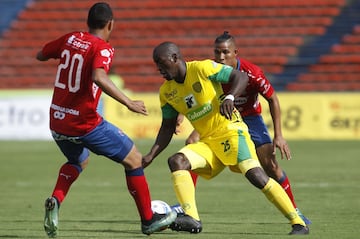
138	188
67	175
285	184
194	177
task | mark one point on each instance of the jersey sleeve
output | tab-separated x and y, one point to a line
53	49
265	88
262	84
167	110
217	72
103	57
257	78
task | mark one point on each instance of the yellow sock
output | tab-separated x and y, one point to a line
276	194
185	192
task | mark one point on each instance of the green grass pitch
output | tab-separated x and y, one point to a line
324	175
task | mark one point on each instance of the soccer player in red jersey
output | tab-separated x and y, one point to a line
77	128
226	52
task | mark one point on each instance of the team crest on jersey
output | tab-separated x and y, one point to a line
190	101
197	87
105	53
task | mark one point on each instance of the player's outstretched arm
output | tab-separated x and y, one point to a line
163	138
278	141
102	80
41	57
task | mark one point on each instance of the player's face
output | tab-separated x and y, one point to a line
225	53
166	67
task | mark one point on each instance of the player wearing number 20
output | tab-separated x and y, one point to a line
84	61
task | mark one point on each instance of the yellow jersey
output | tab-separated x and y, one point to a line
199	97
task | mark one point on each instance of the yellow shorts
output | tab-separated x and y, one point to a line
231	148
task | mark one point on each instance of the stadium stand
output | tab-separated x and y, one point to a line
331	61
337	71
9	11
291	40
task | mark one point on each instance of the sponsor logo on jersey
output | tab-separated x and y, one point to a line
199	113
240	100
78	43
190	101
64	110
171	95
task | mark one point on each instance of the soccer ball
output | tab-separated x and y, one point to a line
160	207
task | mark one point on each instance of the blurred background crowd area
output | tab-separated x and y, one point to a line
302	45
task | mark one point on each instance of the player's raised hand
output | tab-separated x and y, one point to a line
137	106
281	144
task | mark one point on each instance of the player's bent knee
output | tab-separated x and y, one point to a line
272	170
257	177
178	161
133	160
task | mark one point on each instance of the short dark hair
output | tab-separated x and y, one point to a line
99	15
165	49
224	37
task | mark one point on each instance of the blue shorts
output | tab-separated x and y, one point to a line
106	139
257	129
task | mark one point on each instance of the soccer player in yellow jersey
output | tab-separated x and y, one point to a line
194	90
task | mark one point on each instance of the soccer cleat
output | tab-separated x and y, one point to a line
305	219
178	209
187	224
158	223
51	217
298	229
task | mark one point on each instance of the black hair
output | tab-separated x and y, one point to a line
99	15
224	37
